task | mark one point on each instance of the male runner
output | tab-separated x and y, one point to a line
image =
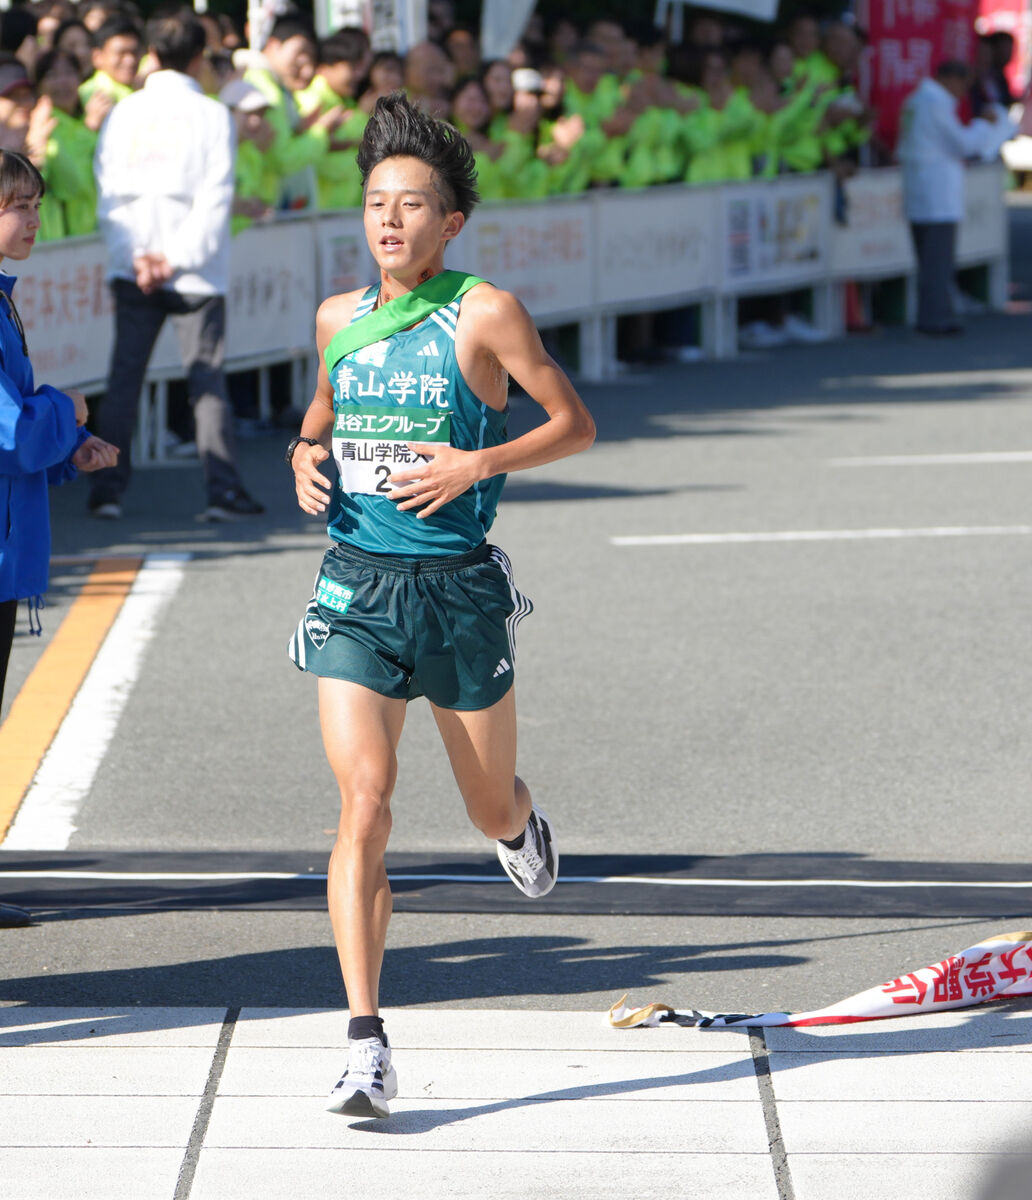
411	600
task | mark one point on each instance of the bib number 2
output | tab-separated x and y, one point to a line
370	444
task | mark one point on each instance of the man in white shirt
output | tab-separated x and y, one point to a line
933	149
164	167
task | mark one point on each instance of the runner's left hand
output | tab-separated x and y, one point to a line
448	474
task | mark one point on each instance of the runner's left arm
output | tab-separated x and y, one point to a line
506	335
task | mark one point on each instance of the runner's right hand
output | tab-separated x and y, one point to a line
312	487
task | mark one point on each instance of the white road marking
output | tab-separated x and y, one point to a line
47	816
405	877
820	535
936	460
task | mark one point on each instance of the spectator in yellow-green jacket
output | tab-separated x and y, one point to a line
344	60
117	49
594	94
720	134
71	205
287	66
256	185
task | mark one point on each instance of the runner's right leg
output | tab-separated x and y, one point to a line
361	730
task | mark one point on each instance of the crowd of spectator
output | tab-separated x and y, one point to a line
570	108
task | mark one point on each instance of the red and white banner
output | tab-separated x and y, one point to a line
907	39
1000	967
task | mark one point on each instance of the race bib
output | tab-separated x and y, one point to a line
369	444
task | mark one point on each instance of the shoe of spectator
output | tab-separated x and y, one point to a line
107	510
800	330
232	506
684	354
12	917
759	335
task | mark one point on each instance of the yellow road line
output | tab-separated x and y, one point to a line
44	699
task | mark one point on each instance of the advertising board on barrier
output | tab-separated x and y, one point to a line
874	242
983	232
67	311
567	259
655	245
774	233
345	263
542	253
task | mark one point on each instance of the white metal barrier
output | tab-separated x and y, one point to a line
581	260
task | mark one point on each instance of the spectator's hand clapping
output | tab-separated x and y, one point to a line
95	454
97	108
42	124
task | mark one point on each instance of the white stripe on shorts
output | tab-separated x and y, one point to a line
521	605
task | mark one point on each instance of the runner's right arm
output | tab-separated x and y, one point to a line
312	486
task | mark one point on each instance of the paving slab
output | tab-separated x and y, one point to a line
500	1175
892	1176
91	1173
78	1070
112	1026
541	1123
483	1029
913	1076
497	1074
876	1127
158	1122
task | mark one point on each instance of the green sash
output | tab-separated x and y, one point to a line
395	315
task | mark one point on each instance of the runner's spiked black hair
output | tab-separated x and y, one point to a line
398	129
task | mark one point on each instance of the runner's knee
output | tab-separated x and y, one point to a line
365	817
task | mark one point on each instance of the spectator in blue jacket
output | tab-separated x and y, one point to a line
43	438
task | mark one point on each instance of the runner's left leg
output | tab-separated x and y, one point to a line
481	748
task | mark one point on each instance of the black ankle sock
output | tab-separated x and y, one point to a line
366	1027
516	843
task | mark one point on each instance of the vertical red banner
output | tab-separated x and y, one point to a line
907	39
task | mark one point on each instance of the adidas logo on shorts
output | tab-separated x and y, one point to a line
502	667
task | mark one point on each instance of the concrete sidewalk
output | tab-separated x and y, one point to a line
210	1104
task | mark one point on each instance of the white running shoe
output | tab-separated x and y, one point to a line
533	868
368	1083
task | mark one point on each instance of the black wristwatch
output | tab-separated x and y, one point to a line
293	444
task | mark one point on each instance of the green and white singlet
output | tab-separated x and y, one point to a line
407	388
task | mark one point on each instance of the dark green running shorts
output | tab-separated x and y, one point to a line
444	628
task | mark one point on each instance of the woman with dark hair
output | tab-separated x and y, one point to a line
74	37
43	439
496	80
71	209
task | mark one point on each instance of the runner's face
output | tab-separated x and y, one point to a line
404	222
19	222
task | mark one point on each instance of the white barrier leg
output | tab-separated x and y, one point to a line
829	314
720	327
159	419
597	348
999	284
264	398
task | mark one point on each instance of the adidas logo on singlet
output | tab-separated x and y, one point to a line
429	351
502	667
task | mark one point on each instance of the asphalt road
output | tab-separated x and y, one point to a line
860	701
